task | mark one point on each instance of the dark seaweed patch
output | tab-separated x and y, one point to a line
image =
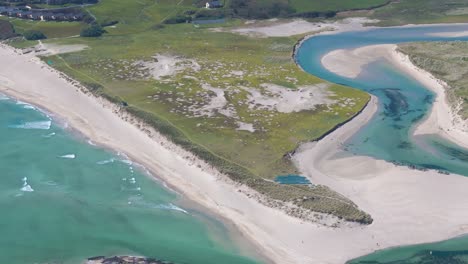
453	152
405	145
398	105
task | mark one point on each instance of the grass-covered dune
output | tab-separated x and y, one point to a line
451	67
421	12
239	103
305	8
6	30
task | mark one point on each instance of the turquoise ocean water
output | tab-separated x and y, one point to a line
64	200
403	102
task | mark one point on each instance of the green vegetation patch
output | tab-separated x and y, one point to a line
34	35
422	11
451	67
50	29
240	104
262	9
6	30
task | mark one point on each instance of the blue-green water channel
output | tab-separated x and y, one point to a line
64	200
403	102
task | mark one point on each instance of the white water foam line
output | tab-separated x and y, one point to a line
44	125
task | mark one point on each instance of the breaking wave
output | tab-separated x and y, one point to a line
26	187
49	135
138	201
102	162
126	161
45	125
68	156
171	207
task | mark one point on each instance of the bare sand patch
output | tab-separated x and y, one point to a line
166	65
349	63
454	34
48	49
245	127
215	104
4	81
287	100
285	28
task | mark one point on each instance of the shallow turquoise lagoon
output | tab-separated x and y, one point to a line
403	102
292	179
64	200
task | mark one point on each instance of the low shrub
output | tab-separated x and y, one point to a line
34	35
94	30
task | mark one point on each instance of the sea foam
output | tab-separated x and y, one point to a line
26	187
171	207
49	135
68	156
25	105
126	161
138	201
45	125
29	107
102	162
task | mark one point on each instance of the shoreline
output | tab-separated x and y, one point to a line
196	181
319	161
382	189
441	120
83	128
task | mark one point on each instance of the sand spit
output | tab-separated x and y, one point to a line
455	34
281	28
338	61
442	120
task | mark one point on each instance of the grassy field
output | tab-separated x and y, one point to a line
6	30
305	8
334	5
421	12
451	67
229	99
50	29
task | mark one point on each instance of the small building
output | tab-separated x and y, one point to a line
23	14
12	13
214	4
35	16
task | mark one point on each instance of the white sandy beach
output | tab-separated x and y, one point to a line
408	206
455	34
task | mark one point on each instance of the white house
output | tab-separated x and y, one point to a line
213	4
